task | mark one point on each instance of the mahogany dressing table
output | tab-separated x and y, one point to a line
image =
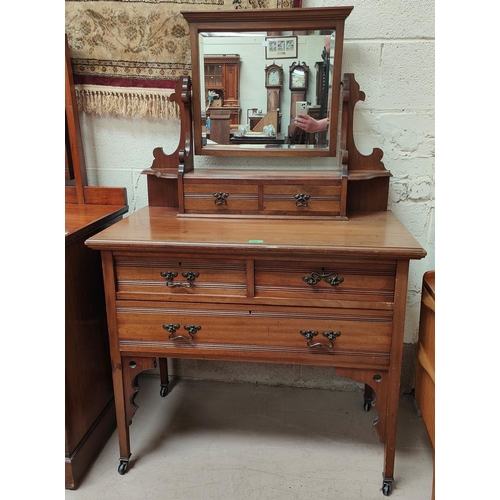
304	266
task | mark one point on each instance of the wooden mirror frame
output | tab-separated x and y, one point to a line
270	20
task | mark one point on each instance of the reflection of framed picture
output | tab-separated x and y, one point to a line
281	47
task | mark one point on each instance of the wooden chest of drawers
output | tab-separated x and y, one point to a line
314	292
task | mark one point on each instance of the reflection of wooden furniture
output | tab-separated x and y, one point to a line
201	274
220	125
425	373
254	119
320	84
222	74
90	411
234	113
270	118
257	138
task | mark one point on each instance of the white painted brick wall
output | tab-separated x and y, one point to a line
389	46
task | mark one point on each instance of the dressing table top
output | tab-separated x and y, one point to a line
367	234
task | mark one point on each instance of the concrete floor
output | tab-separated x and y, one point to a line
235	441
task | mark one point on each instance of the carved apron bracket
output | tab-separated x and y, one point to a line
378	381
132	367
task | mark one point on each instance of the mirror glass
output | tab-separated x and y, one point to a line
261	112
240	106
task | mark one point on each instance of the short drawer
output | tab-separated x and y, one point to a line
220	197
370	284
346	332
158	278
303	198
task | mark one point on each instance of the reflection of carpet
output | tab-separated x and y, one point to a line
127	55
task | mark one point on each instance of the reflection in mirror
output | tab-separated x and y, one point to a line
242	106
244	100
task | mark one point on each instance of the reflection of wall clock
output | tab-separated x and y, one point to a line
273	82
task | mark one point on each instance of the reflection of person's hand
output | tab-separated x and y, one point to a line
309	124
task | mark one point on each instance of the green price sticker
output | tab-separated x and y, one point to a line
255	241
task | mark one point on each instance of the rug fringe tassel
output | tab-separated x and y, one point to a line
121	101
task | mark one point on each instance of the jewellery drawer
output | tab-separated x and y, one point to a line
371	283
158	278
347	332
220	197
303	198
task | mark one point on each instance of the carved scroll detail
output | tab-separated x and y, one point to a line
132	367
380	387
350	155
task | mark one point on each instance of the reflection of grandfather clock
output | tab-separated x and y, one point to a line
274	82
299	76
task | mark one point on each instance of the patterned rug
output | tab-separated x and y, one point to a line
127	55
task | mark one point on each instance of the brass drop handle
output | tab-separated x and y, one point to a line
310	334
301	199
220	198
315	277
191	329
170	275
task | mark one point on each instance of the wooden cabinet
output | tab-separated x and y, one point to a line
89	400
425	379
222	75
425	375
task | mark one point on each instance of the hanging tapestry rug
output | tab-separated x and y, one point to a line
127	55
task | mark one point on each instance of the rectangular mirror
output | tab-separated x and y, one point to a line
253	70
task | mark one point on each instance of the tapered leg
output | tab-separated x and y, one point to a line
368	398
163	377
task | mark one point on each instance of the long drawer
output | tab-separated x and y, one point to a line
336	331
148	277
313	283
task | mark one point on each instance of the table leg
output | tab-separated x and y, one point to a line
368	398
125	394
163	377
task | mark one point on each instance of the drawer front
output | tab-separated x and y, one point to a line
302	198
220	197
346	332
160	278
369	283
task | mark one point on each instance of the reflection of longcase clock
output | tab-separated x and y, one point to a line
299	79
274	82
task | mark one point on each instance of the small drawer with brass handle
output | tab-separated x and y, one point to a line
302	198
207	197
176	277
320	282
